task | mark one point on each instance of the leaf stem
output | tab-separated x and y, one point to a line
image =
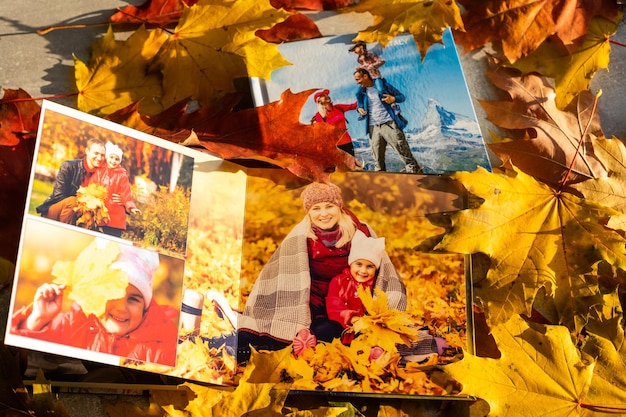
617	43
606	408
23	99
49	29
580	142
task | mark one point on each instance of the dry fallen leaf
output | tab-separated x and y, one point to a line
536	238
540	373
424	19
520	26
550	144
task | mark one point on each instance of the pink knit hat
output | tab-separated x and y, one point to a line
368	248
139	266
319	192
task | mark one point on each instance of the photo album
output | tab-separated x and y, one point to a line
141	253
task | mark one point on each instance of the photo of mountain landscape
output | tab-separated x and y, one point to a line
442	130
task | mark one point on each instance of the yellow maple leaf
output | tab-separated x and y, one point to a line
215	43
382	326
424	19
89	279
536	237
540	372
605	343
117	74
572	71
611	189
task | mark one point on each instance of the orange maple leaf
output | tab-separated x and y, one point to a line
312	4
551	136
520	26
271	133
295	28
19	121
19	117
158	12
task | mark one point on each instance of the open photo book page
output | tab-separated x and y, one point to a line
401	112
123	235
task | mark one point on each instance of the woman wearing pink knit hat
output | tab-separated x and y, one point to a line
133	327
334	114
287	302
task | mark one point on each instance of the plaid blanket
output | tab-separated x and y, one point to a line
278	305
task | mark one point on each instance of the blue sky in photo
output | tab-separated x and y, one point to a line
328	63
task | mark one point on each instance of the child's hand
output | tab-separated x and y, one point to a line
135	211
361	111
46	305
388	99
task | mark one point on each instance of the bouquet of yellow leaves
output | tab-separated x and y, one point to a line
90	206
371	363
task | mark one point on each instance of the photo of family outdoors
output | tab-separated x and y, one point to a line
403	112
98	179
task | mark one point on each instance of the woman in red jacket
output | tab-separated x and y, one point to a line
334	114
133	327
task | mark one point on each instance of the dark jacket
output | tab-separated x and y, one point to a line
361	98
69	178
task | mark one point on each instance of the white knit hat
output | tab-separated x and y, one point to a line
113	149
139	266
368	248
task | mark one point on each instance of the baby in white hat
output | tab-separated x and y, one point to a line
342	302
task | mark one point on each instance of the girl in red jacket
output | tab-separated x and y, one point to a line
119	196
133	327
342	302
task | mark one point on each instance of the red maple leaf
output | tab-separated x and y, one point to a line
296	27
271	133
19	119
158	12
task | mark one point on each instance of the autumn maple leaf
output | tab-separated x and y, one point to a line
296	27
424	19
89	279
536	238
572	70
270	133
541	372
19	117
552	137
19	120
312	4
157	12
610	190
117	74
214	43
520	26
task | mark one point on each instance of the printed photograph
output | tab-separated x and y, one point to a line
94	297
341	284
90	176
402	112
